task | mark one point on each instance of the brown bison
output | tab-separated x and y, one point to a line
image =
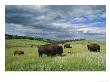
93	47
18	51
67	46
50	50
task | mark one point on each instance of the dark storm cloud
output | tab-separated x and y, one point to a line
58	21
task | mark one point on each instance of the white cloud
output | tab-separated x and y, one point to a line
92	30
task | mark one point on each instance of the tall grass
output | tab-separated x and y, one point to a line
78	58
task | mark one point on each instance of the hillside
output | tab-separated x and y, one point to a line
78	58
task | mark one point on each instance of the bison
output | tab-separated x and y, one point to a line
18	51
67	46
93	47
50	50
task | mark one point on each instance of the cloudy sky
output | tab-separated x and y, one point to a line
57	21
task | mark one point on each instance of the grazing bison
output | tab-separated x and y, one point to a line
18	51
67	46
93	47
50	50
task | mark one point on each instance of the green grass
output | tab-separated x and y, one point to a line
78	58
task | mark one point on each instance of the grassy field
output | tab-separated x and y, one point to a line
77	58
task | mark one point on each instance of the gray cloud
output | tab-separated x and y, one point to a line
55	22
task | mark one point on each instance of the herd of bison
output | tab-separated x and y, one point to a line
55	49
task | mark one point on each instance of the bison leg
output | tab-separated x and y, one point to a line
52	56
88	48
13	54
40	55
60	54
99	49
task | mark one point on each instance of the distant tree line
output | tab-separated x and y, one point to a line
7	36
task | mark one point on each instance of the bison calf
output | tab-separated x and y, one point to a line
18	51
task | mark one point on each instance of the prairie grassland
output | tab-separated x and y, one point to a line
77	58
